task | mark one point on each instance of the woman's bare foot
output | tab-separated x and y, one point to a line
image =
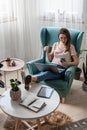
33	79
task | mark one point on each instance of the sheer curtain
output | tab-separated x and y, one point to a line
62	13
19	32
21	21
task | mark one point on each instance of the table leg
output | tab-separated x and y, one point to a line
28	125
0	75
4	74
39	124
17	75
17	124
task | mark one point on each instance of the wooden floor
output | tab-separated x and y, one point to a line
76	101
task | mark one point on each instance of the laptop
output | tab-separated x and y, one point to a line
48	67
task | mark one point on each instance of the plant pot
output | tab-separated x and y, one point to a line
84	86
77	73
15	95
8	63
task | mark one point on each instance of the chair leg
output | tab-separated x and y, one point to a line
62	100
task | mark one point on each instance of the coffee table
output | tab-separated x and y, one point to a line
19	65
20	113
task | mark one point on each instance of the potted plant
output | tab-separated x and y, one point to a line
8	61
77	73
15	91
85	74
79	69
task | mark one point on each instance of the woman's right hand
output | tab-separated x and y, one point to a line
47	49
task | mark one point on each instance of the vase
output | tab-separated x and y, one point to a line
8	63
15	95
77	73
84	86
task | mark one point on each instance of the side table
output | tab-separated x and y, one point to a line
19	65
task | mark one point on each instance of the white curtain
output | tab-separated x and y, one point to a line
19	31
21	21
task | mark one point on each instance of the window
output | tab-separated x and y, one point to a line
61	10
6	11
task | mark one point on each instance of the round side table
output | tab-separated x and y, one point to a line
22	114
19	64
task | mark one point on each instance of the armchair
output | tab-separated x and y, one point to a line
48	36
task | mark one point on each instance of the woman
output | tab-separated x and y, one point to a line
63	54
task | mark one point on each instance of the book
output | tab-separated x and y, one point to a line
33	103
37	105
48	67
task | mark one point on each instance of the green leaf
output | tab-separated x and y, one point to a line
11	80
81	51
14	84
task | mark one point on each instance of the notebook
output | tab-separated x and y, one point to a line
33	103
48	67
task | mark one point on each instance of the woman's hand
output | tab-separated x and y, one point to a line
74	62
48	49
49	54
64	63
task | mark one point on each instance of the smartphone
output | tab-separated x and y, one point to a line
62	59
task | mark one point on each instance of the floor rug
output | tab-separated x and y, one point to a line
55	120
77	125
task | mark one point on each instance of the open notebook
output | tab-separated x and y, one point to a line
33	103
50	67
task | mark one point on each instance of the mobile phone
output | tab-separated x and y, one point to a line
62	59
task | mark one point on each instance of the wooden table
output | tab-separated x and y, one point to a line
21	114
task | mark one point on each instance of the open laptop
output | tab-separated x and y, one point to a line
48	67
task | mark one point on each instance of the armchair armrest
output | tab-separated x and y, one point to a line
69	74
31	66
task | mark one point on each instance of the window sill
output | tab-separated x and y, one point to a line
62	20
10	19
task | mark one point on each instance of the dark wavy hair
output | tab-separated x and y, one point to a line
67	33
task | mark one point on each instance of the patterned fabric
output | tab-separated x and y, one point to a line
78	125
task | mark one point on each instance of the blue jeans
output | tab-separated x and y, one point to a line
49	75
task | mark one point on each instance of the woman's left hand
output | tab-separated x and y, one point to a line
74	62
65	63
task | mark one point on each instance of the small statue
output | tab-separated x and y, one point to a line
13	63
